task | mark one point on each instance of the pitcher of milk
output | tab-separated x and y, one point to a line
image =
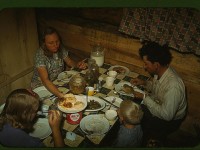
97	54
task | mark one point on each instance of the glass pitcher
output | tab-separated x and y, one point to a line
97	54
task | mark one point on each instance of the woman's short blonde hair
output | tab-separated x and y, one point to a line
131	112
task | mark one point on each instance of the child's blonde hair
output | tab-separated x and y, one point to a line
131	112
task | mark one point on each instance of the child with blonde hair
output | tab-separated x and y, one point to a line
130	132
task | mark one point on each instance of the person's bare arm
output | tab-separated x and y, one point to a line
54	122
47	83
72	63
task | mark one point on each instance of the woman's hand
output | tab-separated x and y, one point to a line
82	64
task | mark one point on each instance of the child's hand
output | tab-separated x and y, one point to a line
54	119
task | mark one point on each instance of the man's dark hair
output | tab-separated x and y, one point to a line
156	53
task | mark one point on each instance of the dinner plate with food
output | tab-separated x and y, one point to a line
126	88
71	103
65	76
120	69
95	104
94	124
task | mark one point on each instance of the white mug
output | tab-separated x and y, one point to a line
91	91
112	73
110	81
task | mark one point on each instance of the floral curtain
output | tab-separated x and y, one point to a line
177	27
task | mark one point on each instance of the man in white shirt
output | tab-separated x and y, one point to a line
164	103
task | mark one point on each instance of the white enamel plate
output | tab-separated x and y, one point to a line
42	129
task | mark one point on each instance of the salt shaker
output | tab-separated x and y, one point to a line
99	84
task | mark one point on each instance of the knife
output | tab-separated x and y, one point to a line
108	101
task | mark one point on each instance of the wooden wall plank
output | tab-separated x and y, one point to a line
18	43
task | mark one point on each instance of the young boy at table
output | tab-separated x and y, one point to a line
130	132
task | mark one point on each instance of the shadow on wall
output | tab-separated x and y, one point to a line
4	87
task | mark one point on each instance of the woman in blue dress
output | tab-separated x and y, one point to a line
50	61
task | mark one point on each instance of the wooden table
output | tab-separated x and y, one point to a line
83	140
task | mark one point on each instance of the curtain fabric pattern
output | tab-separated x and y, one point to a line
178	27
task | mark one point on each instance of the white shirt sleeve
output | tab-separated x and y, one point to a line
169	107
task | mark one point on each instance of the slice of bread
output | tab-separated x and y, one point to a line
70	98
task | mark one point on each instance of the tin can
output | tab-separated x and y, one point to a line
74	118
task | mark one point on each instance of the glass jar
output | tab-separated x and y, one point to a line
97	54
77	84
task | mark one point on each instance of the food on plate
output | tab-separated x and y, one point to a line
94	125
70	98
120	70
127	89
67	75
93	105
67	104
78	105
69	101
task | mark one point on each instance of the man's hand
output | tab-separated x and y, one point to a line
138	95
137	81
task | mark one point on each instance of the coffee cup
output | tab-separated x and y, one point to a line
112	73
91	91
110	81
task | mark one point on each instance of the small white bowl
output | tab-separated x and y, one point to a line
111	114
112	73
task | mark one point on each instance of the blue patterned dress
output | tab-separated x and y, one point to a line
54	65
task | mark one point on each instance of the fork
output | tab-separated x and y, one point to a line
114	99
